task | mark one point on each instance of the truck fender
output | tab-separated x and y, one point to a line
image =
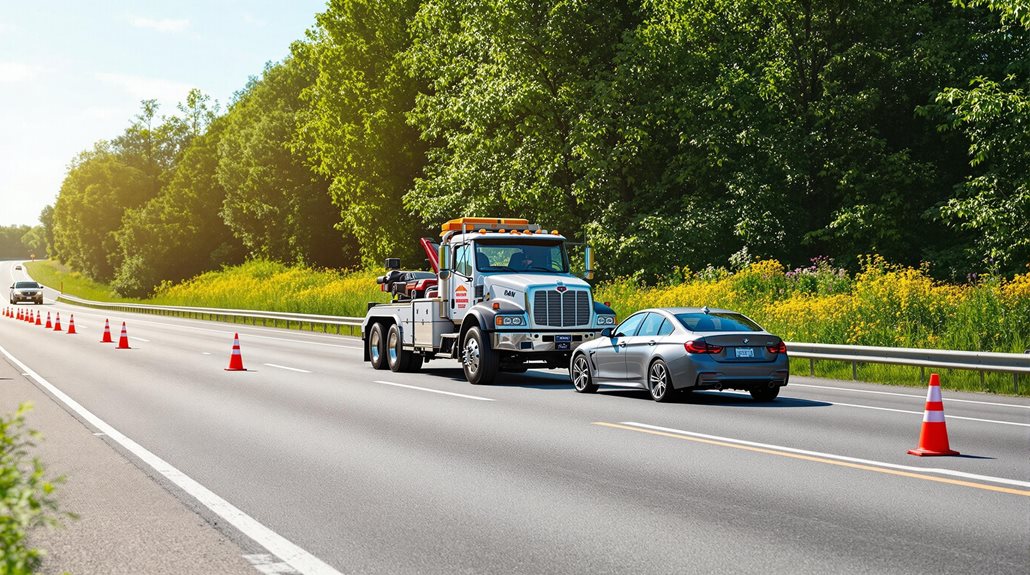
479	315
386	320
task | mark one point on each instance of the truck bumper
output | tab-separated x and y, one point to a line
539	342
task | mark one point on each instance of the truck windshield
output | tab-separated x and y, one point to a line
520	255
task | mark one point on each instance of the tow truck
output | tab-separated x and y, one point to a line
501	298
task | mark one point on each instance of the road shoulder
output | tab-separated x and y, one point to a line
128	523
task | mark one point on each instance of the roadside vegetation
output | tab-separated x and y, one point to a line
883	305
26	496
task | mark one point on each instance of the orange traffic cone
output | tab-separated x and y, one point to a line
48	324
933	439
236	360
57	323
38	318
123	341
19	315
107	333
71	324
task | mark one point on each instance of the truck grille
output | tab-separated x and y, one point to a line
555	309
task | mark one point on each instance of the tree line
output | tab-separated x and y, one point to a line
669	134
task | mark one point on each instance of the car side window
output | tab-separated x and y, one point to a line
652	323
629	327
666	328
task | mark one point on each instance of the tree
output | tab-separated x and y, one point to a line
357	134
274	203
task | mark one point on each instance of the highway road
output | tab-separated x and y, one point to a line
337	468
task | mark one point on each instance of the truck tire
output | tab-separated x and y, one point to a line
377	346
397	357
478	359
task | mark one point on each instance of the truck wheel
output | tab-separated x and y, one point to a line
377	346
581	379
478	359
396	356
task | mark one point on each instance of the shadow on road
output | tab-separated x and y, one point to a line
717	399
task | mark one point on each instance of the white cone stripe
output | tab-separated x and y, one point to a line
934	394
933	417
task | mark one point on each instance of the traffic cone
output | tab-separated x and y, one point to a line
123	341
48	324
71	324
19	315
57	322
107	333
236	359
38	318
933	438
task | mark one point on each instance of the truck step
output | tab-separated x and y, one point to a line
448	344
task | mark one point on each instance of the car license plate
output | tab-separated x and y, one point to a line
745	352
562	342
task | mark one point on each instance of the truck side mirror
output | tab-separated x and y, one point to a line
393	263
445	262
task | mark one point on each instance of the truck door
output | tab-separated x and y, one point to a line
462	291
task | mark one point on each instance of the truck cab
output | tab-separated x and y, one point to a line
505	299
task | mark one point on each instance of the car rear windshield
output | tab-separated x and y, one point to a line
715	321
25	285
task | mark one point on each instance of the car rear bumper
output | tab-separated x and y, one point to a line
700	372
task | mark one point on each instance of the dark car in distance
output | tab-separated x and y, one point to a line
683	349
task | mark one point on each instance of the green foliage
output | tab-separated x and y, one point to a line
13	244
356	134
274	203
27	499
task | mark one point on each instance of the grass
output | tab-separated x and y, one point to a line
883	305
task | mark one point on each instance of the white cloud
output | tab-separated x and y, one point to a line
15	72
167	92
162	25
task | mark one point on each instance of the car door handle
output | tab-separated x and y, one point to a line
652	342
622	344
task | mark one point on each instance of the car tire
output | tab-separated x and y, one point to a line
580	373
377	346
659	382
397	357
478	360
765	393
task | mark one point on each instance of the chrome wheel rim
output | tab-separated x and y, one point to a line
659	380
392	347
373	345
471	358
580	373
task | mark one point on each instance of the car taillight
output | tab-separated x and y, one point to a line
782	348
701	346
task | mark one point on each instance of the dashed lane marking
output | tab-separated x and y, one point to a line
476	397
923	396
287	368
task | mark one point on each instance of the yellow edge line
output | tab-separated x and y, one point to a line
824	460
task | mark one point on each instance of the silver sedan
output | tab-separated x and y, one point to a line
671	349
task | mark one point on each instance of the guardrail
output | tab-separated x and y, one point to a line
1015	363
217	314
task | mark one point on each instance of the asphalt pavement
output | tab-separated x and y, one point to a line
312	459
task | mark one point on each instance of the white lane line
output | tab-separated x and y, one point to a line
923	396
287	368
920	413
436	391
140	339
937	470
205	353
276	544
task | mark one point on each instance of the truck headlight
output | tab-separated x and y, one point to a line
605	320
509	320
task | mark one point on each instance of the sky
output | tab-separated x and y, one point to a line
73	72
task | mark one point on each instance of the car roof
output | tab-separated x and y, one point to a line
676	310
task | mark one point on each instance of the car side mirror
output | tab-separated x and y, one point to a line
606	332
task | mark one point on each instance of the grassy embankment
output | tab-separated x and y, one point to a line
883	305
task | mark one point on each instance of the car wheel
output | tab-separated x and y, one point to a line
377	346
580	372
765	393
477	358
660	382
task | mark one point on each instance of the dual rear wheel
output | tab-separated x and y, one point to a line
386	350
